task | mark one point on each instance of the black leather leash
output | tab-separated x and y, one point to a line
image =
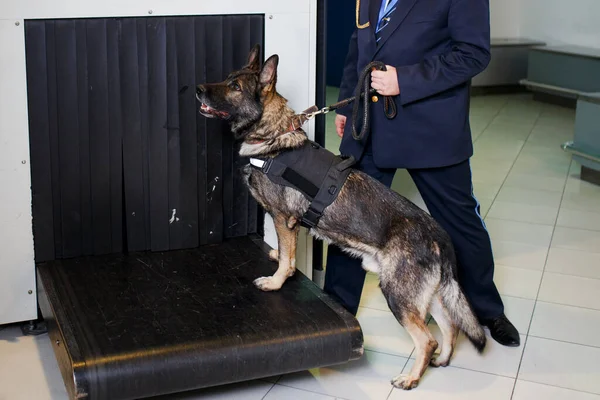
363	90
389	106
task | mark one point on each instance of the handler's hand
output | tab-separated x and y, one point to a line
385	82
340	123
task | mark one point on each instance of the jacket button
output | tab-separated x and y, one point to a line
375	99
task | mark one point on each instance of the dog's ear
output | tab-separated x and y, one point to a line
254	59
268	75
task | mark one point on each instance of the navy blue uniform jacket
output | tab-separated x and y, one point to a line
437	46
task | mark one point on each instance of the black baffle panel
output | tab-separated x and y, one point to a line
146	240
121	158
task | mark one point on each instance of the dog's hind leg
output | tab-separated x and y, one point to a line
409	299
425	346
449	332
287	238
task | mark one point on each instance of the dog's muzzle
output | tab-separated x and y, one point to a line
207	110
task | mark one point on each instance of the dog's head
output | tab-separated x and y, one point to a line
240	98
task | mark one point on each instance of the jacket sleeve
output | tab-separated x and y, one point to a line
349	75
469	27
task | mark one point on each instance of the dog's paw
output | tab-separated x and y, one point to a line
274	255
405	382
439	362
267	283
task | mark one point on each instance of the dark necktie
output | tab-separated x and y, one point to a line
390	7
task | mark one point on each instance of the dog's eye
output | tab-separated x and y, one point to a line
235	86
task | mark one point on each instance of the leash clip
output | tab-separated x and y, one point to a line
313	114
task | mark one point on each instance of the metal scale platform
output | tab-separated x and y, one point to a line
129	327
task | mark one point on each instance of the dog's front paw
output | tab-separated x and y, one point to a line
267	283
405	382
274	255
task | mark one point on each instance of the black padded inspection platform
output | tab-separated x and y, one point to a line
145	324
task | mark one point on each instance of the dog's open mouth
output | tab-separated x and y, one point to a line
210	112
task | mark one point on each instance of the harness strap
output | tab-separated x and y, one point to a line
257	162
320	197
328	192
276	168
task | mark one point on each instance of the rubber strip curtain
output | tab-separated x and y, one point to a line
121	159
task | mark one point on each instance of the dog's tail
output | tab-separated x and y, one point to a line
461	312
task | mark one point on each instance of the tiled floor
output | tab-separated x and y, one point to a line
545	227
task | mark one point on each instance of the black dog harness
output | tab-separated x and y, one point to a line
314	171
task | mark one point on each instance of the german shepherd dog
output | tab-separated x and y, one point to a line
404	245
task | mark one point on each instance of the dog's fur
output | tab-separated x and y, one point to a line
410	252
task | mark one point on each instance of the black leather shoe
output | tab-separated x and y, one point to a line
503	331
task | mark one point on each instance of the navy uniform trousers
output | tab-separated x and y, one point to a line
448	194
